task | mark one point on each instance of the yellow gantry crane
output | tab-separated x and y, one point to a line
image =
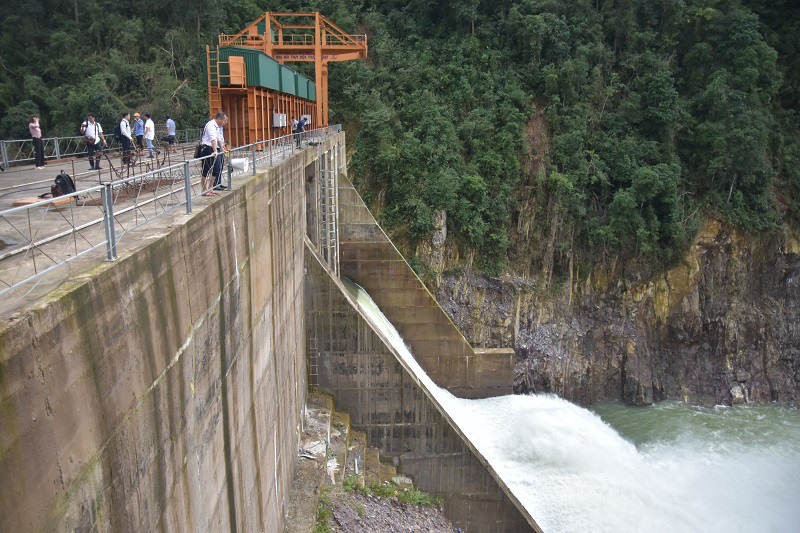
286	37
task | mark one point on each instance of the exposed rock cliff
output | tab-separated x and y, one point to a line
721	327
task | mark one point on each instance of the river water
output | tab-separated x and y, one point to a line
671	467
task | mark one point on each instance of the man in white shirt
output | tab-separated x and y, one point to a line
92	135
170	133
127	138
220	161
210	146
150	134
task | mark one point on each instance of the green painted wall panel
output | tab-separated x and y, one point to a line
302	87
270	73
287	80
263	71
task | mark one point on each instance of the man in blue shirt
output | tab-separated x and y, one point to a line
170	133
301	125
138	130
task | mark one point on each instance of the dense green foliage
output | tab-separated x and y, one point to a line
64	58
653	113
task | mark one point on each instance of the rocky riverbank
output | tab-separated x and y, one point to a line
340	483
355	511
721	327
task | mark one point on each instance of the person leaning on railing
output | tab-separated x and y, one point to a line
210	145
219	161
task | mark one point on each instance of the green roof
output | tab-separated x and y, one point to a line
263	71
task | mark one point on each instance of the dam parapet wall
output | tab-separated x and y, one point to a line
164	391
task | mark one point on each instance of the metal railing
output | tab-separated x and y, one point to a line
19	151
36	239
256	41
305	38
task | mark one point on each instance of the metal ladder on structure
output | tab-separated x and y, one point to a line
212	68
313	360
327	178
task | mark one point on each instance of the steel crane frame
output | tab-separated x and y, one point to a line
303	37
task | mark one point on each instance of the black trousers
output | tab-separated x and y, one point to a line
126	150
208	163
38	150
218	165
92	149
139	141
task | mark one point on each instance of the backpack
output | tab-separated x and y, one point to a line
63	185
118	133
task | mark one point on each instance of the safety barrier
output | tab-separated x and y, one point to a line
36	239
19	151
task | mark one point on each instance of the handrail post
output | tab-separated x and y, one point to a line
230	175
270	152
253	153
108	221
187	186
58	147
4	154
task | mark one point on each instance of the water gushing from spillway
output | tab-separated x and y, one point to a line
671	467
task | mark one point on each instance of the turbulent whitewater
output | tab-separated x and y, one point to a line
671	467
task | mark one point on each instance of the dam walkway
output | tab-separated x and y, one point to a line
47	242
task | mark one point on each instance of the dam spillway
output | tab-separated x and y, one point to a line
621	468
165	390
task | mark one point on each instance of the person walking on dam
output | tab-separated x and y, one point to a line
150	134
170	133
93	135
38	144
301	126
126	137
138	130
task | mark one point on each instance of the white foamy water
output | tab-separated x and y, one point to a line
677	468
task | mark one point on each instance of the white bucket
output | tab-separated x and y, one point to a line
240	163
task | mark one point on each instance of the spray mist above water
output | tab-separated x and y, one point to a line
671	467
701	470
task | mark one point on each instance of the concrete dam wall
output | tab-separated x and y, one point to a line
166	390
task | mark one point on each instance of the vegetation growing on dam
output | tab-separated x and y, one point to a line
643	117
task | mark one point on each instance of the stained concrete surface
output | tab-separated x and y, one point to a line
163	391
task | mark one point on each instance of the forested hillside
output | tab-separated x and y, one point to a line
549	132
